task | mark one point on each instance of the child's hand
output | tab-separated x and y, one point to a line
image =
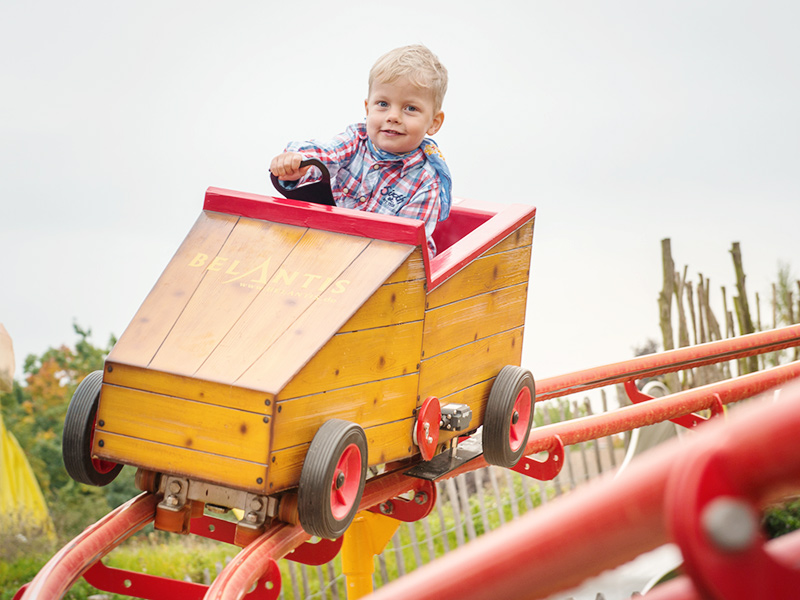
286	166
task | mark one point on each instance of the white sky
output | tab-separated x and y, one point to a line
622	122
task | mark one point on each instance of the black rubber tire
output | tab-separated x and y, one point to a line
314	494
76	443
497	424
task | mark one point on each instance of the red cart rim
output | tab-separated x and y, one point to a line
346	482
518	430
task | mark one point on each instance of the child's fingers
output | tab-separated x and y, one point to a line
286	166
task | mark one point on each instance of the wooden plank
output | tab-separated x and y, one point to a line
185	387
413	268
174	460
391	304
305	339
316	279
464	366
184	423
521	237
154	319
373	403
234	279
385	443
483	275
465	321
358	357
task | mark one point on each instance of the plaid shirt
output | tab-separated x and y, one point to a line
406	186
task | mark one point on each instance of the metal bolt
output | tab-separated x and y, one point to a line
175	487
730	524
251	517
172	500
387	507
421	498
256	504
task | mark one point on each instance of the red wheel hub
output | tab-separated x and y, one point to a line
345	483
426	428
520	416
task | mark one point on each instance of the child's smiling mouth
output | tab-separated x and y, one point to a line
391	132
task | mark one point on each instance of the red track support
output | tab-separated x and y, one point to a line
64	569
555	546
756	457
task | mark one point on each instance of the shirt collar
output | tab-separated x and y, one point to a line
409	160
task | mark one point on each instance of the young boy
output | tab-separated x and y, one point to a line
386	164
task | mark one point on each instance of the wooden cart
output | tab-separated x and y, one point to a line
288	346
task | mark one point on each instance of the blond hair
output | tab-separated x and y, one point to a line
416	63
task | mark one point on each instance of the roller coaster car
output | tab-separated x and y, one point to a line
289	346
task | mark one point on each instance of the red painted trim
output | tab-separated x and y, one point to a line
316	216
472	228
498	224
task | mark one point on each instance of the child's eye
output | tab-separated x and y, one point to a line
383	103
411	108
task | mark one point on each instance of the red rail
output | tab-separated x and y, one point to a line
652	365
670	494
555	546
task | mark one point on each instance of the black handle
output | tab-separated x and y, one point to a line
318	192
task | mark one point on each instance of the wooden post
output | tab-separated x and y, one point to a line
665	308
701	298
745	321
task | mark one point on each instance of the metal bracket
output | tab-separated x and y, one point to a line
410	510
689	421
176	493
456	417
257	510
547	469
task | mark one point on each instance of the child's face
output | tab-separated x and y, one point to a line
400	115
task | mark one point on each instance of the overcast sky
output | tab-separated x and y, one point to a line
622	122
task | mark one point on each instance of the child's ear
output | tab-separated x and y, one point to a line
438	119
366	106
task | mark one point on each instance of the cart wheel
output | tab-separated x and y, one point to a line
332	479
78	436
509	415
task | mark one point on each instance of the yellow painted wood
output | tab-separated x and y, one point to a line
474	318
174	460
186	387
391	304
234	280
314	289
155	318
184	423
358	357
297	420
387	442
390	441
412	268
523	236
483	275
464	366
315	327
